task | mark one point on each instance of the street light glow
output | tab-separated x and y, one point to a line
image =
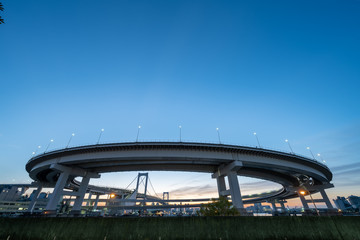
73	134
257	140
217	130
47	147
287	141
137	135
101	131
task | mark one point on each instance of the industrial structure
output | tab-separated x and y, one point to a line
299	176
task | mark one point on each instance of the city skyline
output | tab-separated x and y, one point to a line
283	70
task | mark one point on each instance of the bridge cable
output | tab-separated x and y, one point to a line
131	183
153	188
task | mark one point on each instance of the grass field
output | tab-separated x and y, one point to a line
181	228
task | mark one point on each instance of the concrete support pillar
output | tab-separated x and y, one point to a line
89	199
235	190
57	193
283	208
303	201
326	199
81	194
273	204
230	170
96	201
221	184
34	199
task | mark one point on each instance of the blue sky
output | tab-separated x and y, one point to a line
285	69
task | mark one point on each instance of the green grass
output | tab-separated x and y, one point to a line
181	228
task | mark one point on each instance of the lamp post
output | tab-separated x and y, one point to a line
180	132
51	140
321	158
137	136
308	148
217	129
34	152
291	151
73	134
102	130
257	139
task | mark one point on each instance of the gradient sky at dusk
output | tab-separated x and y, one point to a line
285	69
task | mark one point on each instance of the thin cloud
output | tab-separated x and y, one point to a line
346	167
355	171
204	190
208	190
348	184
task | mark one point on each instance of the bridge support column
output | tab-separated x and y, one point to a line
81	194
65	173
235	191
34	199
166	196
89	199
304	202
145	178
283	208
221	185
273	204
57	193
326	199
230	170
96	201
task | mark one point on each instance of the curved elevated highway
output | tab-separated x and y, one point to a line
58	167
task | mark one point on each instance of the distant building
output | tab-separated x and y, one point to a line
259	208
355	201
11	192
342	204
